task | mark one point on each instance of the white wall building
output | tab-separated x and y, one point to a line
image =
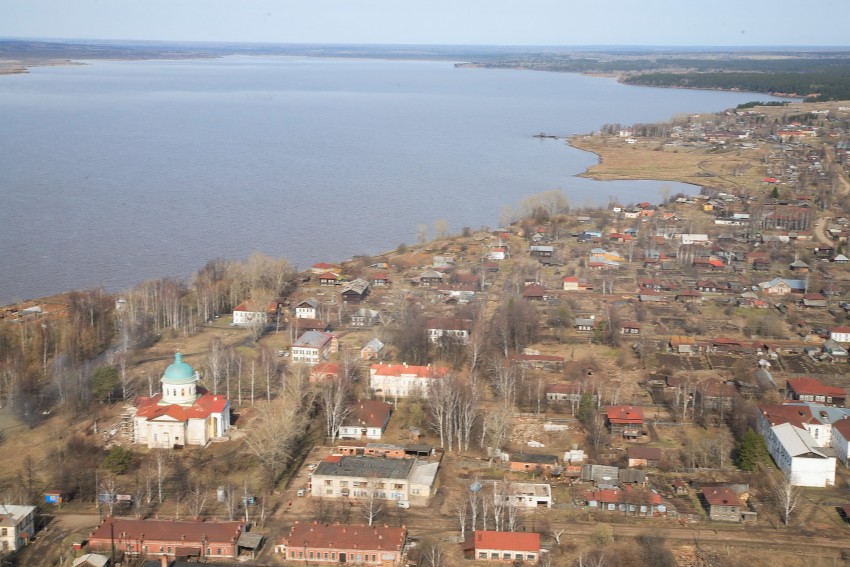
403	380
182	414
313	347
307	309
17	526
799	457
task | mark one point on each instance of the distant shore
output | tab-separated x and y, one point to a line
17	67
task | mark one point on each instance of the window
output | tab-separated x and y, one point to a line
494	555
209	551
5	531
518	556
218	551
300	554
482	555
326	555
333	554
311	555
292	554
506	555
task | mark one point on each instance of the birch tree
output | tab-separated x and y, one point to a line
216	361
788	496
273	435
372	501
335	397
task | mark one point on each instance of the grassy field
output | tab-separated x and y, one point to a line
731	170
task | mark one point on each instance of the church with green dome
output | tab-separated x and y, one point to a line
182	413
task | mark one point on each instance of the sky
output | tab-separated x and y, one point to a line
447	22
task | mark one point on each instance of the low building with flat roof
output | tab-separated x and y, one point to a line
356	476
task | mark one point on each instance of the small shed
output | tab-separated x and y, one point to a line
54	497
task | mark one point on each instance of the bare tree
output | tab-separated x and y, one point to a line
788	496
108	493
372	500
460	507
504	379
496	429
442	403
432	553
335	396
216	362
271	440
466	414
197	500
160	457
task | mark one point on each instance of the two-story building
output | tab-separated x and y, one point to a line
368	419
626	421
392	381
17	527
313	347
451	329
362	477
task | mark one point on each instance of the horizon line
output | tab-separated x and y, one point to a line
389	44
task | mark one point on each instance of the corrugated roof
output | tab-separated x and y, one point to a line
508	541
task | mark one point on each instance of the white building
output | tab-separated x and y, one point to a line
313	347
17	526
182	414
694	238
403	380
307	309
362	477
799	457
840	334
252	313
368	419
525	494
453	329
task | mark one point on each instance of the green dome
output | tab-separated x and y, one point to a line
178	372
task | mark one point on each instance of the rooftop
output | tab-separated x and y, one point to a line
336	536
513	541
366	467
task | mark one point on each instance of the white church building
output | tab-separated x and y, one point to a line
182	414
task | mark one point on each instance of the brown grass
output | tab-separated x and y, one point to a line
650	160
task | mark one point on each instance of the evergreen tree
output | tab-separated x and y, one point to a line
752	451
104	381
585	407
118	460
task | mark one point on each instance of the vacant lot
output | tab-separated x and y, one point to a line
682	362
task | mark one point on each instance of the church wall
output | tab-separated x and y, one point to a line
197	431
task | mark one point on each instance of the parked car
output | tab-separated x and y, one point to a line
311	467
302	492
402	504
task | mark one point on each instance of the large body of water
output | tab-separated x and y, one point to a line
116	172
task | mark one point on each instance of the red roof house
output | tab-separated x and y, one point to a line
502	546
626	420
813	390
